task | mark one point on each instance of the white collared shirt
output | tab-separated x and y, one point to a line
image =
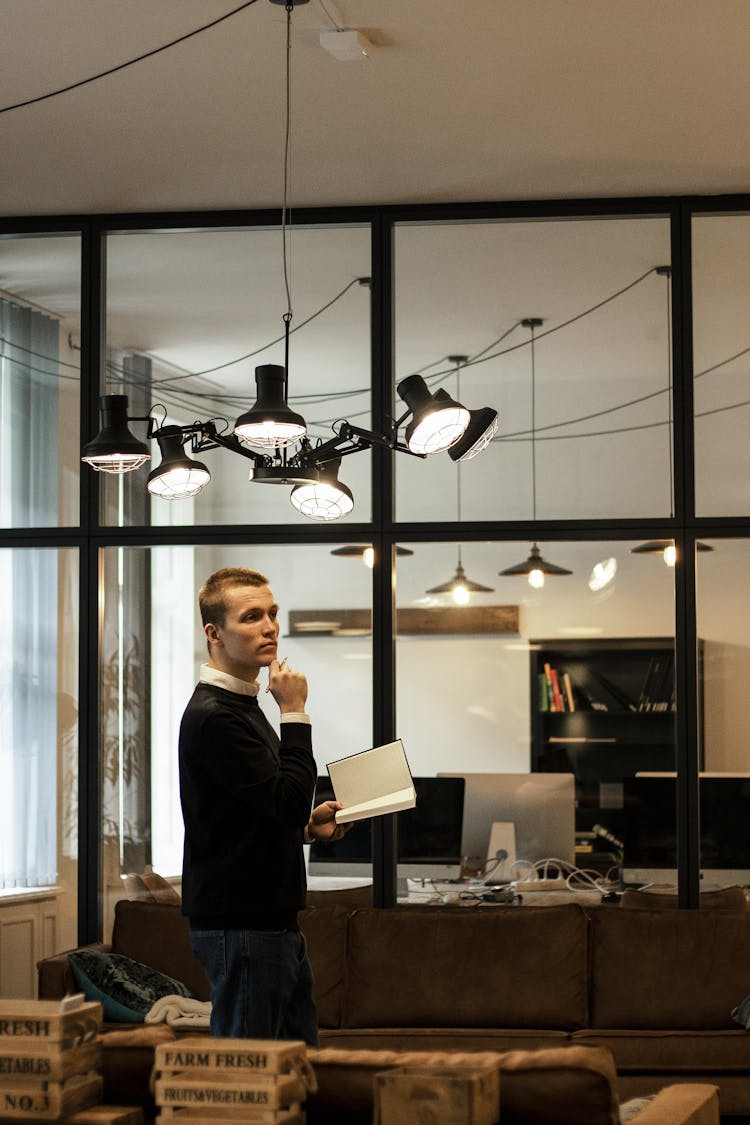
215	676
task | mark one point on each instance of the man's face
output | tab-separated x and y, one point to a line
247	640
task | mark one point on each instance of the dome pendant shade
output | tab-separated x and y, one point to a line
114	449
326	498
270	424
437	421
178	477
459	579
477	436
534	562
660	546
361	551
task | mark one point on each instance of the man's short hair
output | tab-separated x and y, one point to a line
211	596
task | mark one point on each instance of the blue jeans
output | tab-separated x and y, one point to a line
261	983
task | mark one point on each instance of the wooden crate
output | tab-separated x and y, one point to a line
49	1057
444	1096
291	1115
106	1115
44	1021
196	1090
22	1059
200	1080
48	1101
220	1057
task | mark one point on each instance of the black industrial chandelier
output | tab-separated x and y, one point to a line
272	436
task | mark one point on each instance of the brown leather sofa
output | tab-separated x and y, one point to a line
653	987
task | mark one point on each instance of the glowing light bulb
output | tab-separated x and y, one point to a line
536	579
460	594
670	555
368	557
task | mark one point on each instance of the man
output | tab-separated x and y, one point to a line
246	796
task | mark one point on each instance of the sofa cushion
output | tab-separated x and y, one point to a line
126	989
440	1038
668	969
158	934
580	1083
325	930
508	967
697	1052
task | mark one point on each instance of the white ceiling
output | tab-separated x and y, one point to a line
482	99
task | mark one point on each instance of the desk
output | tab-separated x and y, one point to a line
464	895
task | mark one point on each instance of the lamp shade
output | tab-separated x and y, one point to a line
270	424
532	566
477	436
437	420
460	587
178	476
114	449
665	548
326	498
366	552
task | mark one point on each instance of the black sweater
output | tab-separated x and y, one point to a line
246	798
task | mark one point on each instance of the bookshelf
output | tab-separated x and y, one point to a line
622	717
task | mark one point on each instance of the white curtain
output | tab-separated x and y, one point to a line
28	599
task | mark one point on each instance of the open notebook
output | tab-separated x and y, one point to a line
372	783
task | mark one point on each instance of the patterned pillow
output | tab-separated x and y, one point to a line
126	989
741	1014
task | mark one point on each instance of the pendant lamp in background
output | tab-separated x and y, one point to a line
366	552
535	568
665	548
459	586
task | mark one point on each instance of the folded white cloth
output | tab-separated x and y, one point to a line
180	1011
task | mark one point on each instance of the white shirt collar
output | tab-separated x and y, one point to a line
221	679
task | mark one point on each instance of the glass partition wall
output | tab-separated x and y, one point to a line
575	323
40	691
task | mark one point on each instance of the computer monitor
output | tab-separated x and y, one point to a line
541	806
429	835
649	829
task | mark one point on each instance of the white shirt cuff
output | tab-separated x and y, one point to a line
295	717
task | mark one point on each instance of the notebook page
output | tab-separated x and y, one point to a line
373	773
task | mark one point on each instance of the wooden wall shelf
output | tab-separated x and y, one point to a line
455	620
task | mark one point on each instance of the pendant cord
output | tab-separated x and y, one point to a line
285	203
458	463
533	427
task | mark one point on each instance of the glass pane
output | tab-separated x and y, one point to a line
152	648
724	664
191	314
40	309
721	284
38	757
548	700
593	392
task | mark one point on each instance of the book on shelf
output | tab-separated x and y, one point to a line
657	693
555	690
568	688
372	783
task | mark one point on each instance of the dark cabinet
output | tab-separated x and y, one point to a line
603	710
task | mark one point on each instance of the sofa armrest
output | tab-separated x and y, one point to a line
54	975
685	1103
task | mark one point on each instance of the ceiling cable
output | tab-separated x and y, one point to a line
130	62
